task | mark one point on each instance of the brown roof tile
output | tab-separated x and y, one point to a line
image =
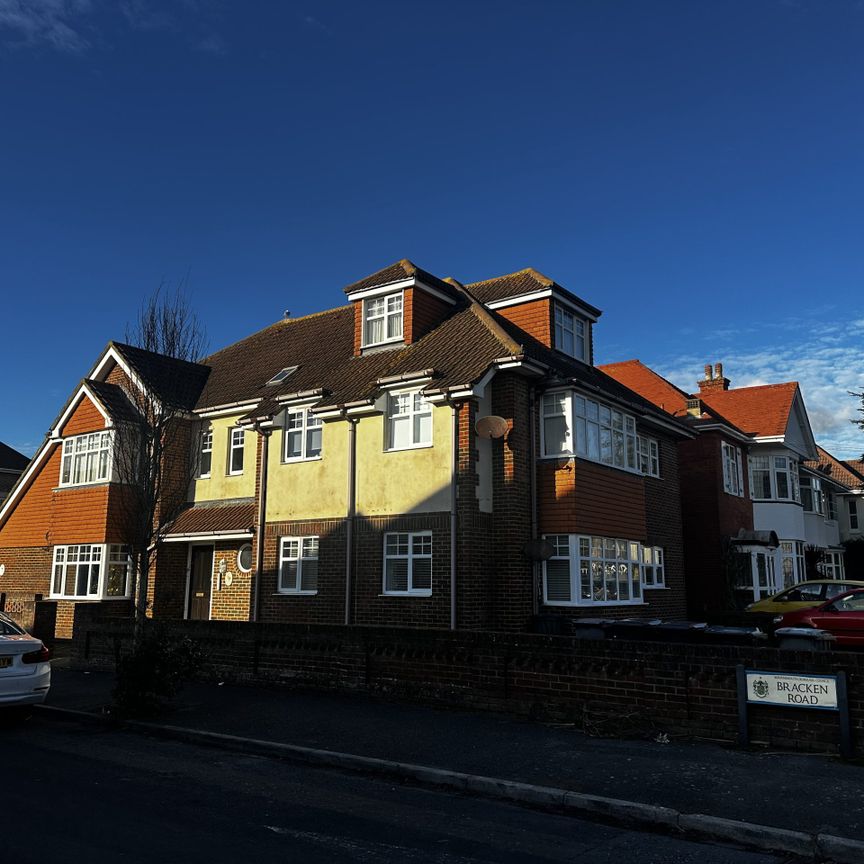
403	269
114	400
521	282
176	382
211	518
847	472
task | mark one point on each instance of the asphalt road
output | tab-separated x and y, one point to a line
83	794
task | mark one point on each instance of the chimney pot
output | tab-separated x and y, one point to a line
718	370
708	375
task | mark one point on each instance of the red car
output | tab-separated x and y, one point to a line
842	616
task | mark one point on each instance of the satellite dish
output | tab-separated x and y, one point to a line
538	550
491	426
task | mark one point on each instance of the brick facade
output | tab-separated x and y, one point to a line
534	318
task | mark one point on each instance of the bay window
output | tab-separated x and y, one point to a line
600	571
91	571
774	478
86	459
575	425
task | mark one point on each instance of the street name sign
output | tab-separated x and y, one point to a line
796	691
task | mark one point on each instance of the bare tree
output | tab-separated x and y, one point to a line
153	443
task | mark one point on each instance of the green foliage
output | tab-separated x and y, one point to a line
148	678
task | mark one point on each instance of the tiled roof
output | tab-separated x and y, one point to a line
525	281
847	472
215	517
12	460
113	399
761	411
403	269
662	393
176	382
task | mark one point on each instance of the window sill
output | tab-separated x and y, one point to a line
656	588
234	474
409	447
64	486
396	340
595	605
294	459
407	593
294	593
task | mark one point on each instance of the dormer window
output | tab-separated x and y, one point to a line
382	319
569	333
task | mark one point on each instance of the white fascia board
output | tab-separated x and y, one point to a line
531	366
227	409
362	409
207	535
379	290
720	427
301	397
468	391
98	372
82	391
404	384
542	295
38	459
330	413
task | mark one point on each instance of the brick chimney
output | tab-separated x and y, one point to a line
713	379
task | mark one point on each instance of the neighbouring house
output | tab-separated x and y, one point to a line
12	463
761	452
432	454
844	503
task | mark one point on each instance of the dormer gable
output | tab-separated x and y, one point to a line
397	306
543	309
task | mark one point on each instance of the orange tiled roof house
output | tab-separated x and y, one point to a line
431	454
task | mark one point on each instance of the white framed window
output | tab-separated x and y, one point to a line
812	494
89	571
244	558
574	425
236	443
409	421
649	456
653	567
408	563
832	566
298	565
593	571
303	431
280	376
774	478
382	319
792	562
86	459
205	452
853	514
569	333
830	506
733	474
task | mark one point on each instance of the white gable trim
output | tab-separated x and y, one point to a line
83	391
38	459
393	287
542	295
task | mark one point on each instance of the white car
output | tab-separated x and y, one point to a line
25	670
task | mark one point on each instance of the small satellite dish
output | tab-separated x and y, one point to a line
538	550
491	426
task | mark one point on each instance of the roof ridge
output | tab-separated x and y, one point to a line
532	270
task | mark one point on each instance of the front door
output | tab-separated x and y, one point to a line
200	579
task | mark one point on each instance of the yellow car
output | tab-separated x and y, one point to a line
804	595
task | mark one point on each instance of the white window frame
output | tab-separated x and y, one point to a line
833	565
591	428
733	472
792	551
309	422
410	556
648	454
234	436
583	553
775	466
102	556
83	452
816	495
205	445
569	324
853	513
387	309
413	413
299	558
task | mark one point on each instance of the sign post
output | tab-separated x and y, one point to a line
817	692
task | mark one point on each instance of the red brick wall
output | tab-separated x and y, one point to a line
709	517
422	313
230	602
534	318
85	418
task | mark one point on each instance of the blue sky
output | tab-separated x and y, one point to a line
693	168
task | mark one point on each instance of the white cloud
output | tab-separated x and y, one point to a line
56	22
825	358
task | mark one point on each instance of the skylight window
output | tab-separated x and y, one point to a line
281	375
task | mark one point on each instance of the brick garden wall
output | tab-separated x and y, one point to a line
614	686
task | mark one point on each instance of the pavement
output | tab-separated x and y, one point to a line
772	791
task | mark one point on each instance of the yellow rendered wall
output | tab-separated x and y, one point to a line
220	484
403	481
311	489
